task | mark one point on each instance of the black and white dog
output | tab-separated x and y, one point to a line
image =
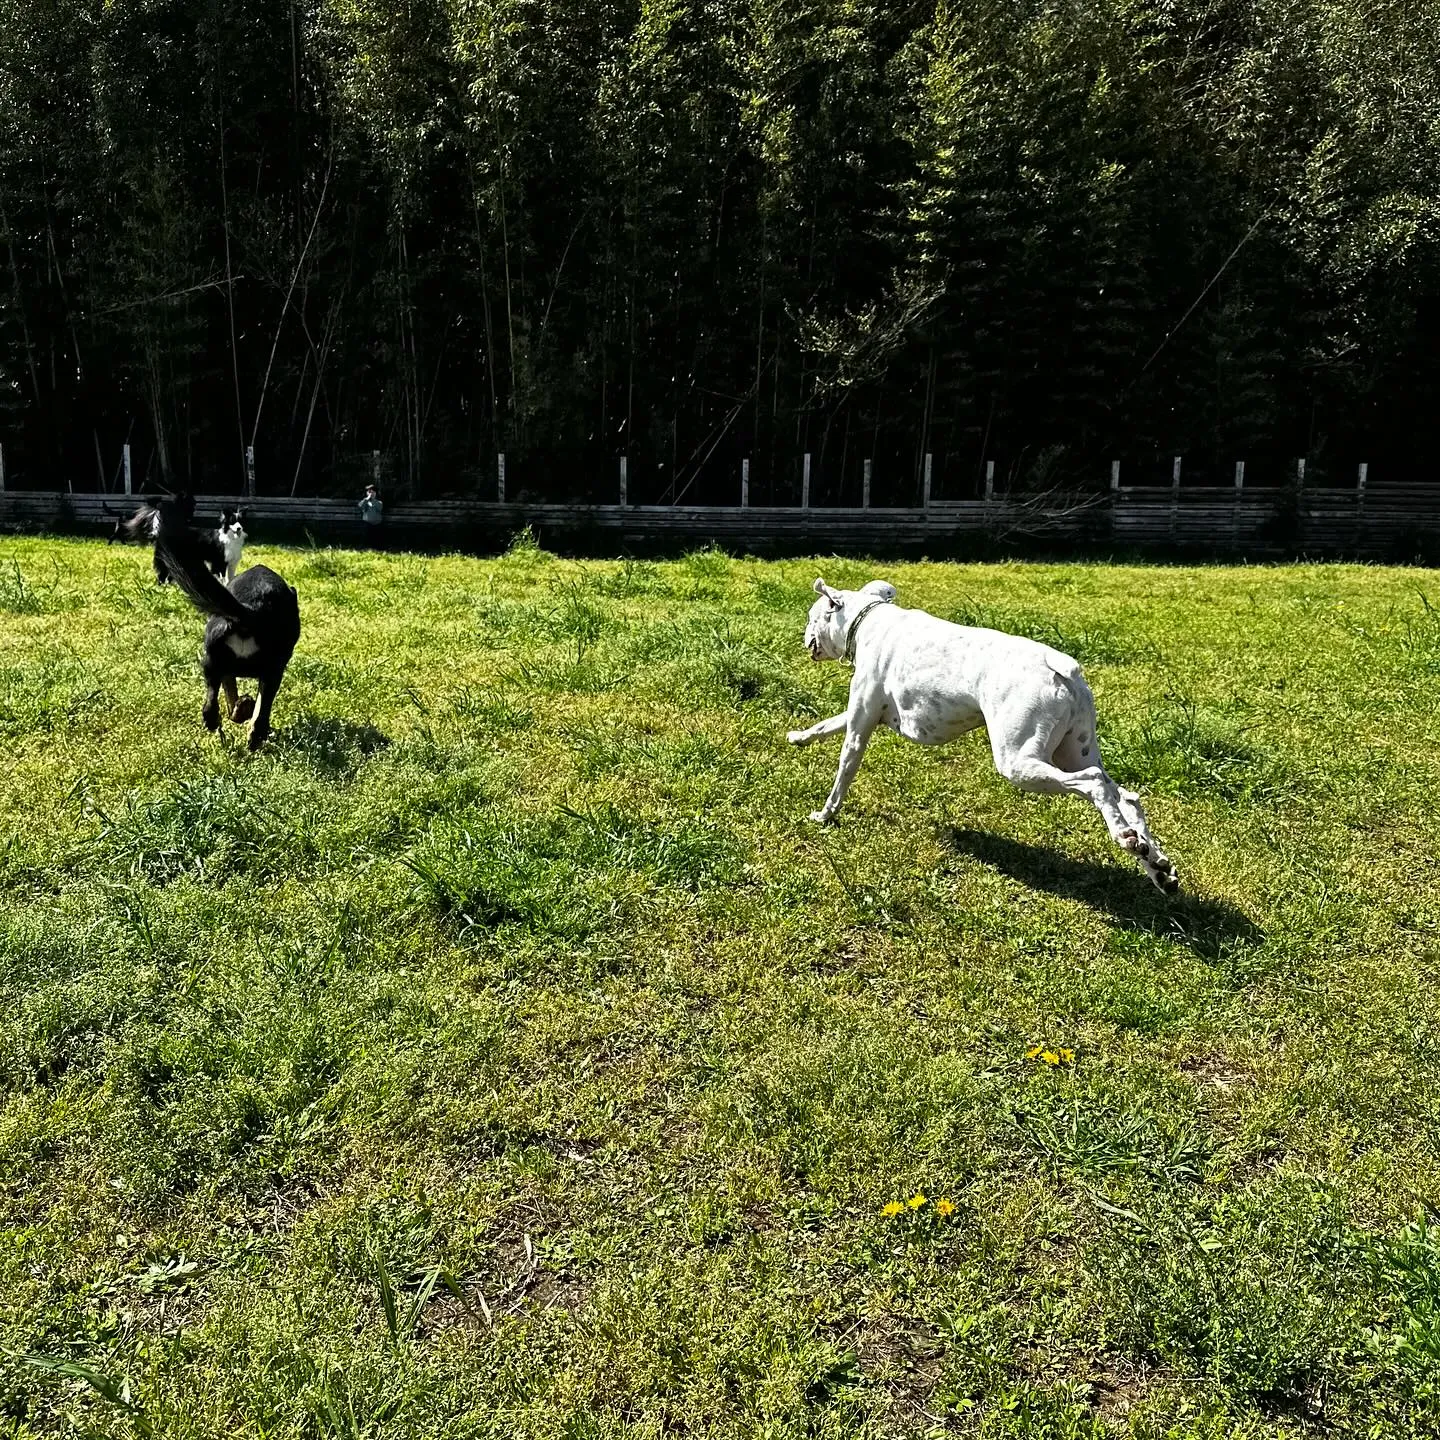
253	628
231	536
220	549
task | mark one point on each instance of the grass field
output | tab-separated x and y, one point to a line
501	1053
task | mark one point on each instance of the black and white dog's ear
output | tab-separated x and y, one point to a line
821	588
883	588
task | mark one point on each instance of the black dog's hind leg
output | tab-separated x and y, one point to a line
234	702
210	714
260	725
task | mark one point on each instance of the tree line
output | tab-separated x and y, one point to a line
404	237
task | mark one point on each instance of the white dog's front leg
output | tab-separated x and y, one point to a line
857	738
833	726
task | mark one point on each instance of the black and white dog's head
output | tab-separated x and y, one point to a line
834	612
232	536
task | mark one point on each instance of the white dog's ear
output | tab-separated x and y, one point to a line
821	588
883	588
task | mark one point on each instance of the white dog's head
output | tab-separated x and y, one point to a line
834	612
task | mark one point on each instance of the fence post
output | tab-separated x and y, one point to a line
1360	478
250	470
929	460
1175	475
1114	477
624	481
125	463
1239	474
2	469
805	484
500	476
989	481
1300	471
865	488
745	482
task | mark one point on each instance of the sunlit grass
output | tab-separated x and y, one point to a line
500	1052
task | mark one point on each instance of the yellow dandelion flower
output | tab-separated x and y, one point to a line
1033	1053
893	1208
1050	1058
1066	1056
945	1207
916	1201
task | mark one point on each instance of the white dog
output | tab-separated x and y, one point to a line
932	681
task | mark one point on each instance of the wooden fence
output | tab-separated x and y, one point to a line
1394	522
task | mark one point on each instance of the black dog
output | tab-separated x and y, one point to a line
253	630
219	549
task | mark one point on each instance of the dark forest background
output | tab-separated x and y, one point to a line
690	231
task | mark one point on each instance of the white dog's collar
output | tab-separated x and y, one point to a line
855	626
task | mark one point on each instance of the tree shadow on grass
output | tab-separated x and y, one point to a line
1208	927
336	747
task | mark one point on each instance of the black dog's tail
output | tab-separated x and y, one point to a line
176	548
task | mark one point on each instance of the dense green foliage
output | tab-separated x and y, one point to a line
695	230
500	1053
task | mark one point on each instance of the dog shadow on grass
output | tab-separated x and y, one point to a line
1208	927
336	747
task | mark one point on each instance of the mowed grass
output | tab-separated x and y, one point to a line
501	1053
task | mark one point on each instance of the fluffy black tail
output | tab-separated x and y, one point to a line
181	555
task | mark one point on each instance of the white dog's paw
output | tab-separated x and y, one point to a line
798	737
821	817
1164	877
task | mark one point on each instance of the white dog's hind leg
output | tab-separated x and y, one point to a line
1156	862
1079	751
1029	769
851	754
1077	755
833	726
